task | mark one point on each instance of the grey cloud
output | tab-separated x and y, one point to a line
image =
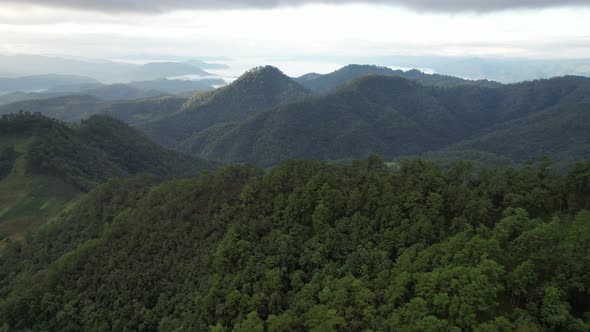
420	5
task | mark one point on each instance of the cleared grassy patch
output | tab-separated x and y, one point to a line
27	201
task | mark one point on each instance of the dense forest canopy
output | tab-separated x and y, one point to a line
311	246
396	117
95	150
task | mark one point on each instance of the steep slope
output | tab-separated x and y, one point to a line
44	164
396	117
309	246
321	83
257	90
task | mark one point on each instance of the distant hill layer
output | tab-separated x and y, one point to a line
103	70
395	117
119	91
42	82
265	117
321	83
78	107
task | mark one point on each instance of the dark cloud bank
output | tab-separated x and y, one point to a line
421	5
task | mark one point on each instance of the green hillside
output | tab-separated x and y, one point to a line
257	90
44	164
396	117
310	246
26	200
560	132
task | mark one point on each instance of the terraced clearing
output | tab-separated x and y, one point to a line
27	201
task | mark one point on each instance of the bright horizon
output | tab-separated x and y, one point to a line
310	31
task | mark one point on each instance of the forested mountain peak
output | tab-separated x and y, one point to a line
396	117
261	85
321	83
262	72
257	90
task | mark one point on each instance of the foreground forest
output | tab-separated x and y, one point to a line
312	246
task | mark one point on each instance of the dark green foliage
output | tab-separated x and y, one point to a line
257	90
265	117
7	158
396	117
323	83
96	150
313	247
561	131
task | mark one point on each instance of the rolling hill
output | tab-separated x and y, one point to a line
321	83
119	91
394	117
103	70
73	108
41	82
560	132
265	117
44	164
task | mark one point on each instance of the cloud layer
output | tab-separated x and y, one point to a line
148	6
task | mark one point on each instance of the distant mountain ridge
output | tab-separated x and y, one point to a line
105	71
324	82
265	117
74	108
396	117
119	91
41	82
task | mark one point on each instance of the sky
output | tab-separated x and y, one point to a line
132	29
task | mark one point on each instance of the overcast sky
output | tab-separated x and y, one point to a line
255	28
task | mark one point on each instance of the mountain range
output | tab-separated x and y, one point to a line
105	71
62	86
103	229
386	114
265	117
324	82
